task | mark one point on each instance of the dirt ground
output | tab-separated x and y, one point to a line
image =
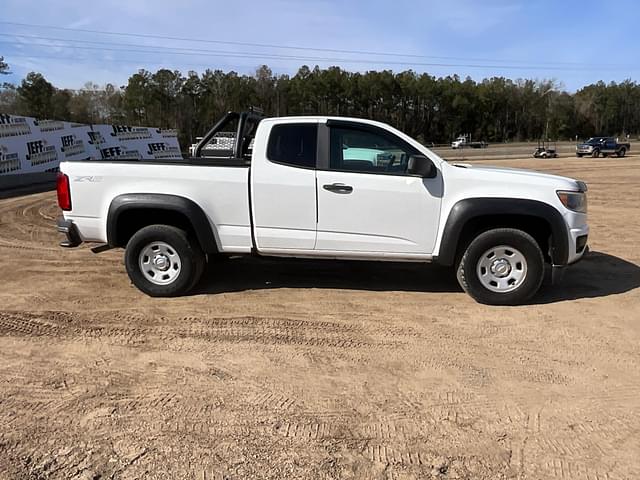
300	369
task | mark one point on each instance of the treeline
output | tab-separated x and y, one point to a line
430	109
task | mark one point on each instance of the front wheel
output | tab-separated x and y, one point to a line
162	261
595	154
503	266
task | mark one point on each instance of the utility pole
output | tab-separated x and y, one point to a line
547	109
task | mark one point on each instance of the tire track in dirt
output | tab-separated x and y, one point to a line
266	330
314	431
572	470
25	223
21	323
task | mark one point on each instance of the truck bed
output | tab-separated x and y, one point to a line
220	189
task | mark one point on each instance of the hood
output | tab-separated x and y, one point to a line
520	174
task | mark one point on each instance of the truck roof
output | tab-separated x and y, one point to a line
364	121
321	118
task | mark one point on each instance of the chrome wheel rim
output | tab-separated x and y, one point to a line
502	269
159	263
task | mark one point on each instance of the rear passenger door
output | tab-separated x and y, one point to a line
283	187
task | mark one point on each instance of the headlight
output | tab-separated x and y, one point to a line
575	201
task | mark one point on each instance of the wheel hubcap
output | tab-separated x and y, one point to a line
502	269
159	263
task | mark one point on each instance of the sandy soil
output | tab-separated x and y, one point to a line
298	369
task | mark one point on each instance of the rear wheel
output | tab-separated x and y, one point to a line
162	261
622	152
503	266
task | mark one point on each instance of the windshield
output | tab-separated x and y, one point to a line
595	140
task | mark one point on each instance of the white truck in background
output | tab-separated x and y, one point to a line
464	141
329	188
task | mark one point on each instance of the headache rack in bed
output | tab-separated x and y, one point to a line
231	139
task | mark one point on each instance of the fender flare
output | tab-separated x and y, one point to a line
157	201
471	208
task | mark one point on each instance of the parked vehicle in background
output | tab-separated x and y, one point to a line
328	188
605	146
464	141
544	150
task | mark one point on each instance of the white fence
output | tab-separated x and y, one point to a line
28	145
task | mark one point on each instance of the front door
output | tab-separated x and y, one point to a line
366	201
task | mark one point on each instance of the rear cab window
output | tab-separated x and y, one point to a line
294	144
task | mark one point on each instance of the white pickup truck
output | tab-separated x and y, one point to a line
330	188
464	141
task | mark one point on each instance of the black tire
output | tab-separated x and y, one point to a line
579	155
622	152
595	153
519	241
190	256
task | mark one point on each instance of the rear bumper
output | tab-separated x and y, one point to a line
69	229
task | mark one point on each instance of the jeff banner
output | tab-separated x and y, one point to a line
28	145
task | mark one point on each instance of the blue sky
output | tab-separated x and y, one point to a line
575	42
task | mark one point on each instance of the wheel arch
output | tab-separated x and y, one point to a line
470	217
129	213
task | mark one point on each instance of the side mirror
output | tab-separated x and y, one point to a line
421	166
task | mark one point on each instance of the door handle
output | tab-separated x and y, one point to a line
338	188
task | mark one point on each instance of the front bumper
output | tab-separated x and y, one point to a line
584	151
578	239
70	231
578	248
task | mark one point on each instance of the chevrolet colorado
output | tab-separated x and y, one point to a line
330	188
